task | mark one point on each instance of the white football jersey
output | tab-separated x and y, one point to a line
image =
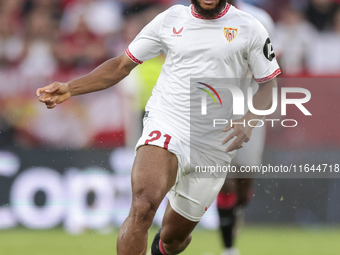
230	45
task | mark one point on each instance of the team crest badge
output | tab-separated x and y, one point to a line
230	33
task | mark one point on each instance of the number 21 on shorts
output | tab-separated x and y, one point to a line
155	135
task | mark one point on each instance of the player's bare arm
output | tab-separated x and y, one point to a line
262	100
104	76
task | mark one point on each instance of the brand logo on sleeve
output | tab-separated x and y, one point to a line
268	50
177	33
230	33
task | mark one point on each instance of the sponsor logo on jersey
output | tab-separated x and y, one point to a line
268	50
230	33
177	33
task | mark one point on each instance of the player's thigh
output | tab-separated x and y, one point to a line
175	226
153	173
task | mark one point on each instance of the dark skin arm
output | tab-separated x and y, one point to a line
262	100
104	76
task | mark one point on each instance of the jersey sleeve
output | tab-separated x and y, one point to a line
147	43
261	56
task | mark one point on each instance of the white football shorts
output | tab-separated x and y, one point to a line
192	194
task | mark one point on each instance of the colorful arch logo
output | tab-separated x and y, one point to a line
209	93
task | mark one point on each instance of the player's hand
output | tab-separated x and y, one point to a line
53	94
241	132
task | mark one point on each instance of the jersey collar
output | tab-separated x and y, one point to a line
224	12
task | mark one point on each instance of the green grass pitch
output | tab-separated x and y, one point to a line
253	240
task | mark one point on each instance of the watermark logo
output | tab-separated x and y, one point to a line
204	97
240	99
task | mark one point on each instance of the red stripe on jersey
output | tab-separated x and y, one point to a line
270	77
196	15
132	57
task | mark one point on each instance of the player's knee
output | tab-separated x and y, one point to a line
144	209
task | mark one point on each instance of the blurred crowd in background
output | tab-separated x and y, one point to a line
46	40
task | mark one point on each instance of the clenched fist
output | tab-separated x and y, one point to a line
53	94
